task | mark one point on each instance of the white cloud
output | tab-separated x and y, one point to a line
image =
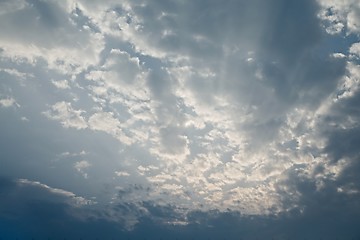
68	117
81	167
341	15
355	50
353	19
350	83
17	73
25	119
122	174
8	102
121	73
104	121
62	84
72	198
45	30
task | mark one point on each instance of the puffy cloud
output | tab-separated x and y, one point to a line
62	84
8	102
341	16
47	30
69	117
81	166
355	50
104	122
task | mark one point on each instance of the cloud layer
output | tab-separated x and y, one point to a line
173	114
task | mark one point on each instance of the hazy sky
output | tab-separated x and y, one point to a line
180	119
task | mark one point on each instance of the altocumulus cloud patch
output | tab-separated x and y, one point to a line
180	118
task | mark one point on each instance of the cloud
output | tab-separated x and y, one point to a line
105	121
69	117
8	6
63	84
81	166
122	174
156	220
8	102
49	29
31	204
172	140
16	73
194	116
60	192
340	16
355	50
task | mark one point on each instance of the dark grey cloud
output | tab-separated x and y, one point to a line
328	212
323	217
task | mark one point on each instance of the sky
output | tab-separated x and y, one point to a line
179	119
